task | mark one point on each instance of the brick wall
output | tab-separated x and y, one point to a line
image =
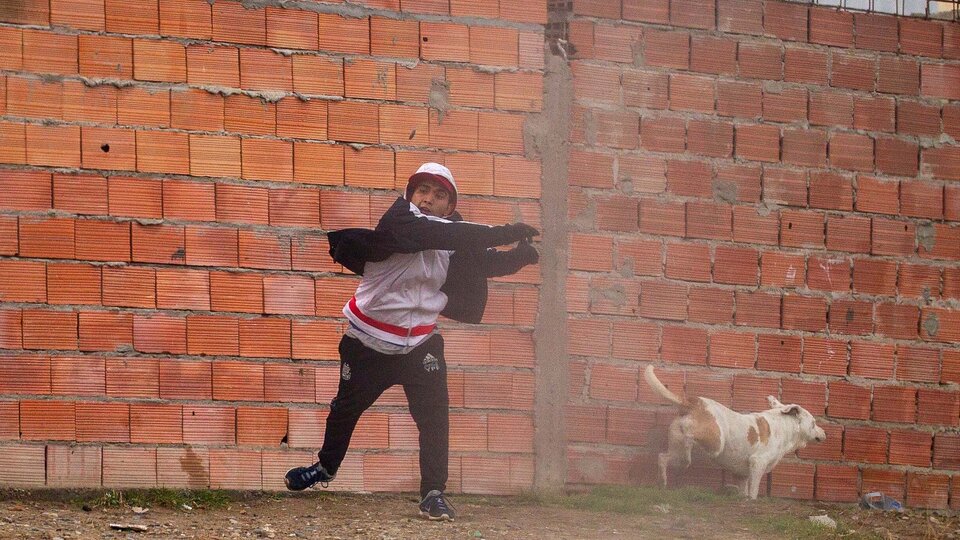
168	170
765	199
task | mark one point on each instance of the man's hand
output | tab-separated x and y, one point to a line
526	253
522	231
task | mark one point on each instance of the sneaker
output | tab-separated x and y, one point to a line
300	478
435	508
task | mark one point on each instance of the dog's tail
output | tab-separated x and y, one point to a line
659	388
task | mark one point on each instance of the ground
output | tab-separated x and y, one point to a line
603	513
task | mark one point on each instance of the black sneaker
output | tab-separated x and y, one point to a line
435	508
300	478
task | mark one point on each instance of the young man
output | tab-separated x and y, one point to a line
421	261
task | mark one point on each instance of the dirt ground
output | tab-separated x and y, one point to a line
615	513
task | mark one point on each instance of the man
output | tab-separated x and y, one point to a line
421	261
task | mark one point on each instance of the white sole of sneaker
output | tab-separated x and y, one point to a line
444	517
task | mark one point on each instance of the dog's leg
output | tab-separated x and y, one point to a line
743	484
757	470
678	452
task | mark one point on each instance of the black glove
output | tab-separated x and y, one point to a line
521	231
526	253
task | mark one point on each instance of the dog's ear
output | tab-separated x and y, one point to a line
792	410
774	402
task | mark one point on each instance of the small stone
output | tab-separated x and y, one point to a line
824	521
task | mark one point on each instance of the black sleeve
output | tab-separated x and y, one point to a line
411	233
495	263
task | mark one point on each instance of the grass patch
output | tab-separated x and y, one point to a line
796	528
161	497
640	500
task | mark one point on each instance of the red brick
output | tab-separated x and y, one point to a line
235	23
831	191
760	61
848	400
804	147
56	146
919	119
755	226
47	52
140	107
137	378
667	49
865	444
891	237
289	28
103	422
498	132
289	383
105	331
710	305
898	75
213	65
209	424
736	266
733	350
941	162
242	204
804	313
919	280
163	152
848	233
159	61
183	289
662	217
663	134
692	93
208	246
938	407
873	113
741	99
185	18
237	381
824	356
49	330
910	448
713	55
831	108
831	27
688	262
918	364
51	238
261	426
242	292
47	420
757	309
921	38
186	379
104	56
156	423
897	321
249	115
876	31
921	199
690	178
265	70
853	72
801	228
785	21
805	66
758	142
23	281
644	89
877	195
160	334
73	284
896	156
684	345
614	383
713	139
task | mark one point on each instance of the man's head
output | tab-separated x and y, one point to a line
433	190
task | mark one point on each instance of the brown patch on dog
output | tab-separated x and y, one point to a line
752	436
705	431
764	429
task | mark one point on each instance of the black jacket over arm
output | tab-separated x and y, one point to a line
402	231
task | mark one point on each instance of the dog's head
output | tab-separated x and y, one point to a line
809	430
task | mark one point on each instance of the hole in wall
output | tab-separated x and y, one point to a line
105	147
425	39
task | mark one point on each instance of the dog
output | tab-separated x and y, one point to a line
747	445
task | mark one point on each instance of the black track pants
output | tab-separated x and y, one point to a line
365	374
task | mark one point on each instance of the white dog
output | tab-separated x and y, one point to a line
748	445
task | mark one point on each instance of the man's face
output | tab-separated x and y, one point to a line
432	199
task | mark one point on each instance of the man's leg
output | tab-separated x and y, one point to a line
364	375
424	381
